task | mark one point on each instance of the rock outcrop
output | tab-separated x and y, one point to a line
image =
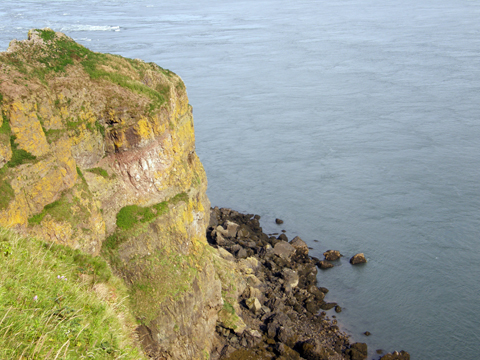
97	152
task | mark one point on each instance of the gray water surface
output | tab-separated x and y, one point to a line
355	121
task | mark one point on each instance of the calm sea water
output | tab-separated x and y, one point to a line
355	121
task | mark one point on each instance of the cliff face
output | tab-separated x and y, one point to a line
97	152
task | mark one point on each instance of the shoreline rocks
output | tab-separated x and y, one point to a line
281	304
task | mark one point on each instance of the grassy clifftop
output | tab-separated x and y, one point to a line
56	302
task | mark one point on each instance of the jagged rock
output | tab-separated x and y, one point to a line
231	228
325	265
358	259
291	278
332	255
278	221
284	250
253	304
300	246
241	253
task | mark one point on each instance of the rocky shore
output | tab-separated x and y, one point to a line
281	310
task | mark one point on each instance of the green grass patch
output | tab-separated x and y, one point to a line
130	215
79	173
53	135
99	171
47	35
48	310
5	128
19	156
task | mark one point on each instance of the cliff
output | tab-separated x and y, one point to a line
97	152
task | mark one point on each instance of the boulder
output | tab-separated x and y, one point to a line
358	259
312	349
328	306
332	255
357	351
231	228
284	250
283	237
300	246
290	277
278	221
324	265
253	304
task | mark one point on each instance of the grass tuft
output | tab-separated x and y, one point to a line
99	171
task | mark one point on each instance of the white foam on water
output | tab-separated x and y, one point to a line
81	27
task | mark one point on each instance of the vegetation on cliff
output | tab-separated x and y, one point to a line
56	302
97	154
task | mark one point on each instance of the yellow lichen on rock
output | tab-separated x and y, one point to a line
95	134
27	128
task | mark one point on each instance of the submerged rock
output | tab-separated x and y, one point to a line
402	355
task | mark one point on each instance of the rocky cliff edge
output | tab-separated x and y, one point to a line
97	152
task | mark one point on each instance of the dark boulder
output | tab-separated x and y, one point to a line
283	237
278	221
358	259
324	265
312	349
332	255
327	306
357	351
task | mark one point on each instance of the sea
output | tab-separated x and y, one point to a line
357	122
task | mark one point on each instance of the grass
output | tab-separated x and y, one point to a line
49	309
19	156
41	62
99	171
130	215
